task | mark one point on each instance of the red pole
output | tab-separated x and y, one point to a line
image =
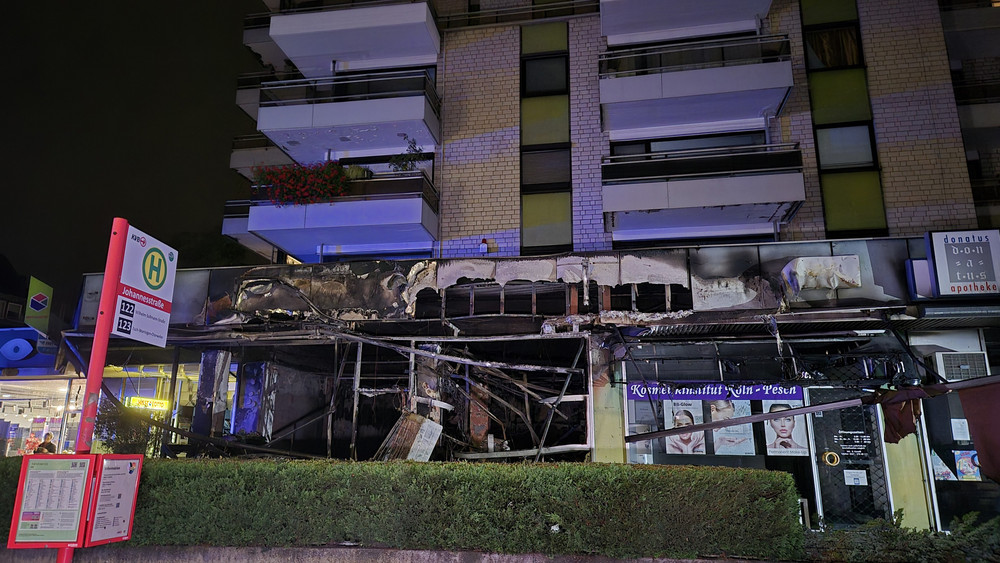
99	351
102	333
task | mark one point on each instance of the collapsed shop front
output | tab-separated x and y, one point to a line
568	358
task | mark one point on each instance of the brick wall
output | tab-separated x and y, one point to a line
795	124
925	181
478	177
589	143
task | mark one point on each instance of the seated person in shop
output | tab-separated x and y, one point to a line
46	447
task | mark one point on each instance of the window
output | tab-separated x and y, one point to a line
743	139
545	169
546	178
545	75
828	11
853	203
832	48
844	147
841	112
544	120
545	220
838	96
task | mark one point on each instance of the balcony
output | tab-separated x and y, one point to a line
388	214
979	114
627	22
512	14
970	28
693	88
248	88
354	115
986	194
730	191
250	151
356	36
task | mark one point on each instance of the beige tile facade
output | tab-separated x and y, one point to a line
589	143
925	180
919	142
478	176
795	124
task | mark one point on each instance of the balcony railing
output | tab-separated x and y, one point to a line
948	5
723	161
263	19
518	13
371	86
255	141
386	185
694	55
255	79
977	92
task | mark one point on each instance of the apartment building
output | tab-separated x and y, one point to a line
568	230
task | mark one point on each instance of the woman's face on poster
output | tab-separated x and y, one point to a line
723	413
681	420
783	426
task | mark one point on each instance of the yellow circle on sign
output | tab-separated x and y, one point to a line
154	268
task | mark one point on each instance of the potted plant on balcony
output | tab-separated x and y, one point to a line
408	159
300	184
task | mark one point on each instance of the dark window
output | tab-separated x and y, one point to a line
544	76
545	169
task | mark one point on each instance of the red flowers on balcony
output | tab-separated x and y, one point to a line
297	184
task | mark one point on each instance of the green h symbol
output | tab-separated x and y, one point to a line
154	268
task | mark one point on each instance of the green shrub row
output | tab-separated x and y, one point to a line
883	541
611	510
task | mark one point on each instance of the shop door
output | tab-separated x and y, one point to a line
850	466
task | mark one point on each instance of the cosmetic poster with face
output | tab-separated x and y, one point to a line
786	435
680	413
736	439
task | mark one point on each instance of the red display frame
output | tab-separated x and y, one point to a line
15	522
92	509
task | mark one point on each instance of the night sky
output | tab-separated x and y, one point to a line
118	109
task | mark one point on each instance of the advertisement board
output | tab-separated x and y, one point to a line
113	509
966	263
53	493
74	500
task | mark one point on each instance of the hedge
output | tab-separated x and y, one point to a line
571	508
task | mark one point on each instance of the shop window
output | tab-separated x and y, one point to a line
545	75
828	11
839	96
844	147
546	220
853	202
832	48
545	120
